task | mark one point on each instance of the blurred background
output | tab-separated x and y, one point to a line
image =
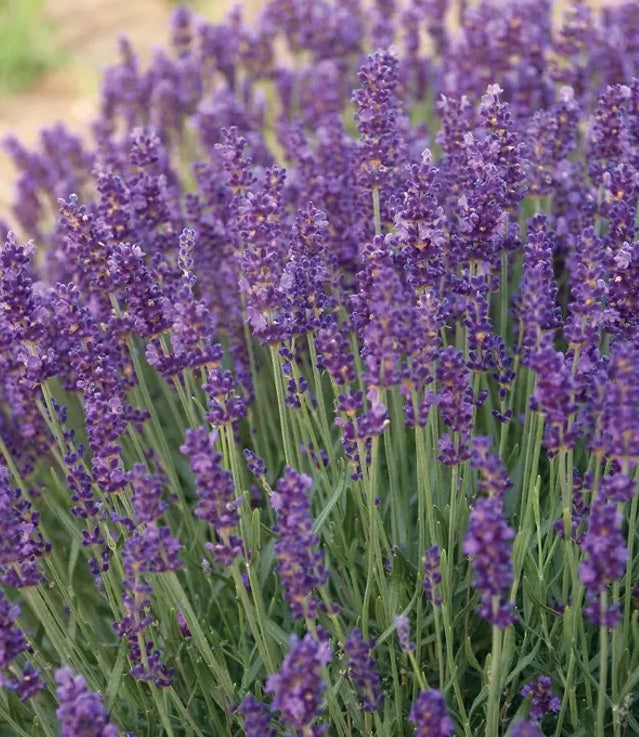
52	53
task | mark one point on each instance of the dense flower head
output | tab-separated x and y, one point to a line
605	551
552	135
537	309
384	310
429	715
362	671
617	487
493	479
257	719
554	396
455	396
299	565
617	434
488	540
432	575
587	313
80	711
378	115
334	353
298	687
503	145
216	492
150	549
306	274
254	463
226	403
21	542
12	639
402	628
419	224
542	699
259	218
526	728
148	490
608	134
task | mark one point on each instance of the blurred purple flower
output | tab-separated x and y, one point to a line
429	715
542	699
300	567
488	540
363	672
298	687
80	711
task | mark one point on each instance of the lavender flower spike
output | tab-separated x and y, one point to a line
12	644
297	689
299	566
542	699
430	716
257	720
80	712
526	728
488	541
362	671
402	627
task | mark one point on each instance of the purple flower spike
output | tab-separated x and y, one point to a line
257	719
21	543
80	712
299	566
215	490
363	672
12	644
430	717
402	627
377	117
488	541
606	554
542	699
297	689
432	576
525	728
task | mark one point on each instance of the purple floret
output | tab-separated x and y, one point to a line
363	672
299	565
429	715
542	699
488	541
298	687
80	711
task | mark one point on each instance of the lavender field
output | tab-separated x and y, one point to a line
319	410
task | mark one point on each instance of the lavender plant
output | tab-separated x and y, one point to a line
319	409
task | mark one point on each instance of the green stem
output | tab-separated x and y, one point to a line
492	712
603	668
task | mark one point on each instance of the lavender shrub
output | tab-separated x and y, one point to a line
319	410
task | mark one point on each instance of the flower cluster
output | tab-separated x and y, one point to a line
298	687
12	644
430	717
393	263
300	567
21	542
216	492
542	699
80	711
488	540
362	671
